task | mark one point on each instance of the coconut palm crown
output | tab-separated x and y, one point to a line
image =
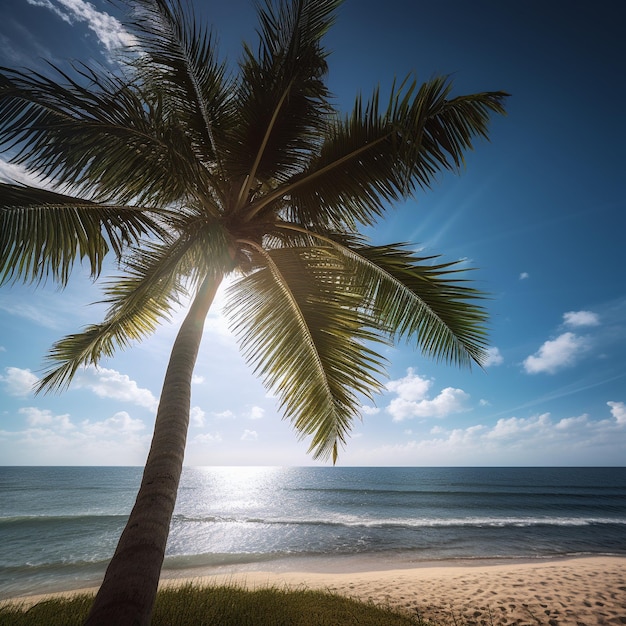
189	172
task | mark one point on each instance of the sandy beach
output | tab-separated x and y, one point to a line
577	592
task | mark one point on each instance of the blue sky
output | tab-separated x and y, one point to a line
539	210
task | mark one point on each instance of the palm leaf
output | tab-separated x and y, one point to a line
282	100
139	301
180	56
424	301
98	135
373	158
412	297
155	278
300	325
42	233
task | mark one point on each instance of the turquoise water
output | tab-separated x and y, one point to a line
59	525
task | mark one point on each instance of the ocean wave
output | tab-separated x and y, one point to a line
353	521
519	492
215	559
80	518
413	555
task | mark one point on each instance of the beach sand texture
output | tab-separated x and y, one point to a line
575	592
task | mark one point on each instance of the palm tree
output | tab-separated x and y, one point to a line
188	173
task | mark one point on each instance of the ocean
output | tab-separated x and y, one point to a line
59	525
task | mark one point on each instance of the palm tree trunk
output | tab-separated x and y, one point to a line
128	591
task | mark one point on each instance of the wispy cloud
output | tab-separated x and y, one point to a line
110	32
16	306
10	172
412	399
47	4
524	276
249	435
109	383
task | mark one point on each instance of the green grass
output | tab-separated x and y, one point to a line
191	605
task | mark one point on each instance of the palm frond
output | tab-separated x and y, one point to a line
180	56
156	277
408	296
97	135
282	100
291	29
374	157
301	327
42	233
186	174
139	301
423	300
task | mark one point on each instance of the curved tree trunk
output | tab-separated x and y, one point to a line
128	591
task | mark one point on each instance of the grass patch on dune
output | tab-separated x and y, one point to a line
191	605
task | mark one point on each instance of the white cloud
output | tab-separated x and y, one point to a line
493	357
196	379
224	415
3	349
47	4
256	413
412	387
556	354
207	438
412	400
524	276
369	410
534	440
576	319
49	439
569	423
514	427
249	435
196	416
38	417
217	326
10	172
109	383
121	423
18	382
109	31
618	411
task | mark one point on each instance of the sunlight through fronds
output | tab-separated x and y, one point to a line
299	319
187	170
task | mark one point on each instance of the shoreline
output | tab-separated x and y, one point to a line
589	590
